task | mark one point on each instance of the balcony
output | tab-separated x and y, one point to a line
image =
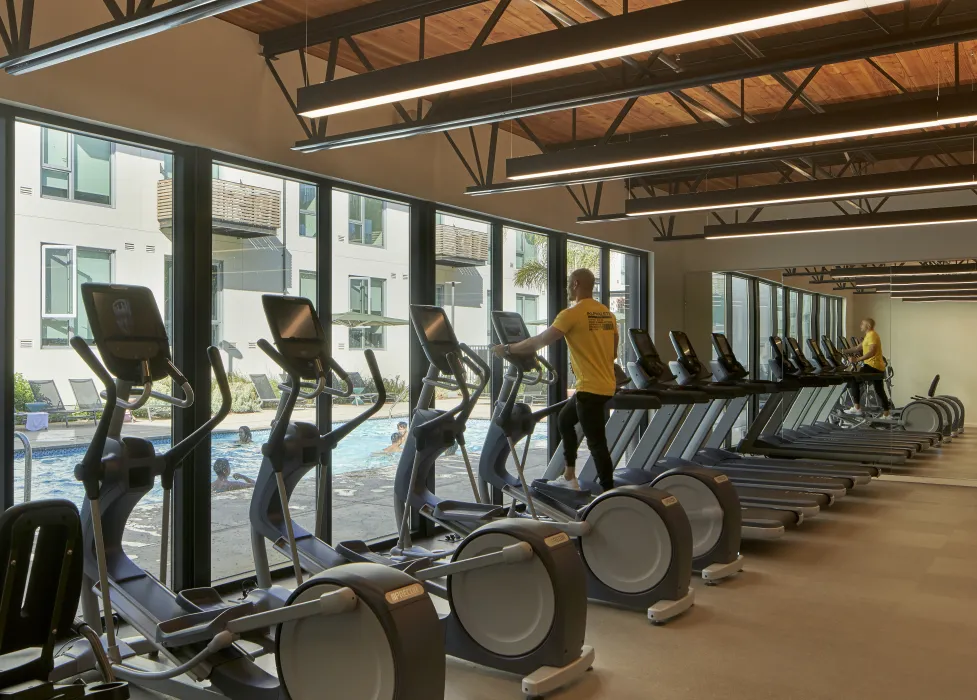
460	247
241	211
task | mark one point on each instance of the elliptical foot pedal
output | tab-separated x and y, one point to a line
665	610
714	573
549	678
573	498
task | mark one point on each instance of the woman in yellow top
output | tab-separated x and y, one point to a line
870	353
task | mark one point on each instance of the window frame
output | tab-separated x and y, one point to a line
314	212
380	330
362	221
71	171
45	247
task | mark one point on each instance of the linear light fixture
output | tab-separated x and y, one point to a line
944	299
834	126
881	185
936	296
932	273
895	283
863	222
645	31
153	21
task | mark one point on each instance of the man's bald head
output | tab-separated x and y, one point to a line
580	284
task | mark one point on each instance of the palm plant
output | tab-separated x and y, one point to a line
533	274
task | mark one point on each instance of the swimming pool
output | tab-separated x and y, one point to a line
53	468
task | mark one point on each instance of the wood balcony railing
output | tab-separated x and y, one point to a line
239	210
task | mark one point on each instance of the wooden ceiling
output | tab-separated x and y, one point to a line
910	71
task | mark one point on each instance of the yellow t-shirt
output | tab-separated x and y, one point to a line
591	333
876	361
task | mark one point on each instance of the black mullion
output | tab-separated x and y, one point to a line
423	219
557	300
7	298
323	303
497	244
605	273
192	253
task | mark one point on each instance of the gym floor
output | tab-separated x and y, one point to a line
875	598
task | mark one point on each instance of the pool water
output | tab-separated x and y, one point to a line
53	469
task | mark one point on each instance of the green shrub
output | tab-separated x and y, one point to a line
160	409
23	394
244	399
394	386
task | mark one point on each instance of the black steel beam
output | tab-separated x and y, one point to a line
7	308
356	20
802	50
119	31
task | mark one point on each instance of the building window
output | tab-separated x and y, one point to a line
526	251
76	167
308	210
366	221
439	295
64	270
527	306
307	285
367	296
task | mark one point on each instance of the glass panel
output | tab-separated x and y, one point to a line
59	289
93	170
373	280
54	183
42	357
741	332
257	240
779	314
625	300
795	302
308	286
366	216
308	210
806	320
525	287
824	304
718	304
767	316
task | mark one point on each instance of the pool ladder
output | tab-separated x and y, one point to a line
28	457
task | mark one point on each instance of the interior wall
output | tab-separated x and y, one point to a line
923	340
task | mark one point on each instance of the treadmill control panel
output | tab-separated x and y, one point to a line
726	355
648	357
511	329
686	353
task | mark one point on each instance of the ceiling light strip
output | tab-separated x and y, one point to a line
812	130
880	185
581	45
865	222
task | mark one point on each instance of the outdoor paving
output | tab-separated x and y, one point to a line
362	501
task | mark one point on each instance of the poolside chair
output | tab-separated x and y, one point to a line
359	387
87	398
46	391
266	394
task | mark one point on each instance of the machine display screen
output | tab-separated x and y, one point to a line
292	318
510	327
127	327
684	345
723	344
644	346
778	346
434	325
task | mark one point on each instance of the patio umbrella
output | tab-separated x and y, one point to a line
356	319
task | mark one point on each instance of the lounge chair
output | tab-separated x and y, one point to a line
359	387
87	398
266	393
46	391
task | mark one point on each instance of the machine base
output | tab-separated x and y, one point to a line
548	678
665	610
717	572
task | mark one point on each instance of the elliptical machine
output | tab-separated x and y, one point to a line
356	620
527	618
636	543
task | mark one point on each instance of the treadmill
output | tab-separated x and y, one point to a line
771	434
711	451
760	487
814	422
762	514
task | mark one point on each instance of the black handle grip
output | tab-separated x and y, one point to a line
510	401
344	378
273	353
89	470
346	428
178	452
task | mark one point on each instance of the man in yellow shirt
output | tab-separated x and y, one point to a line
870	353
591	333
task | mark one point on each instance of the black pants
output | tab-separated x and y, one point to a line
855	387
590	411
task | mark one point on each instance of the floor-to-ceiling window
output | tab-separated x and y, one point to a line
718	306
370	311
767	326
264	242
741	329
625	299
807	320
793	313
87	209
583	256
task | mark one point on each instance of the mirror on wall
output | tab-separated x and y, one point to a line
883	343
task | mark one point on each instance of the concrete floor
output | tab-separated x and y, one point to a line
874	598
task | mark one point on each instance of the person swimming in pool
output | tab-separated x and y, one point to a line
223	484
396	442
